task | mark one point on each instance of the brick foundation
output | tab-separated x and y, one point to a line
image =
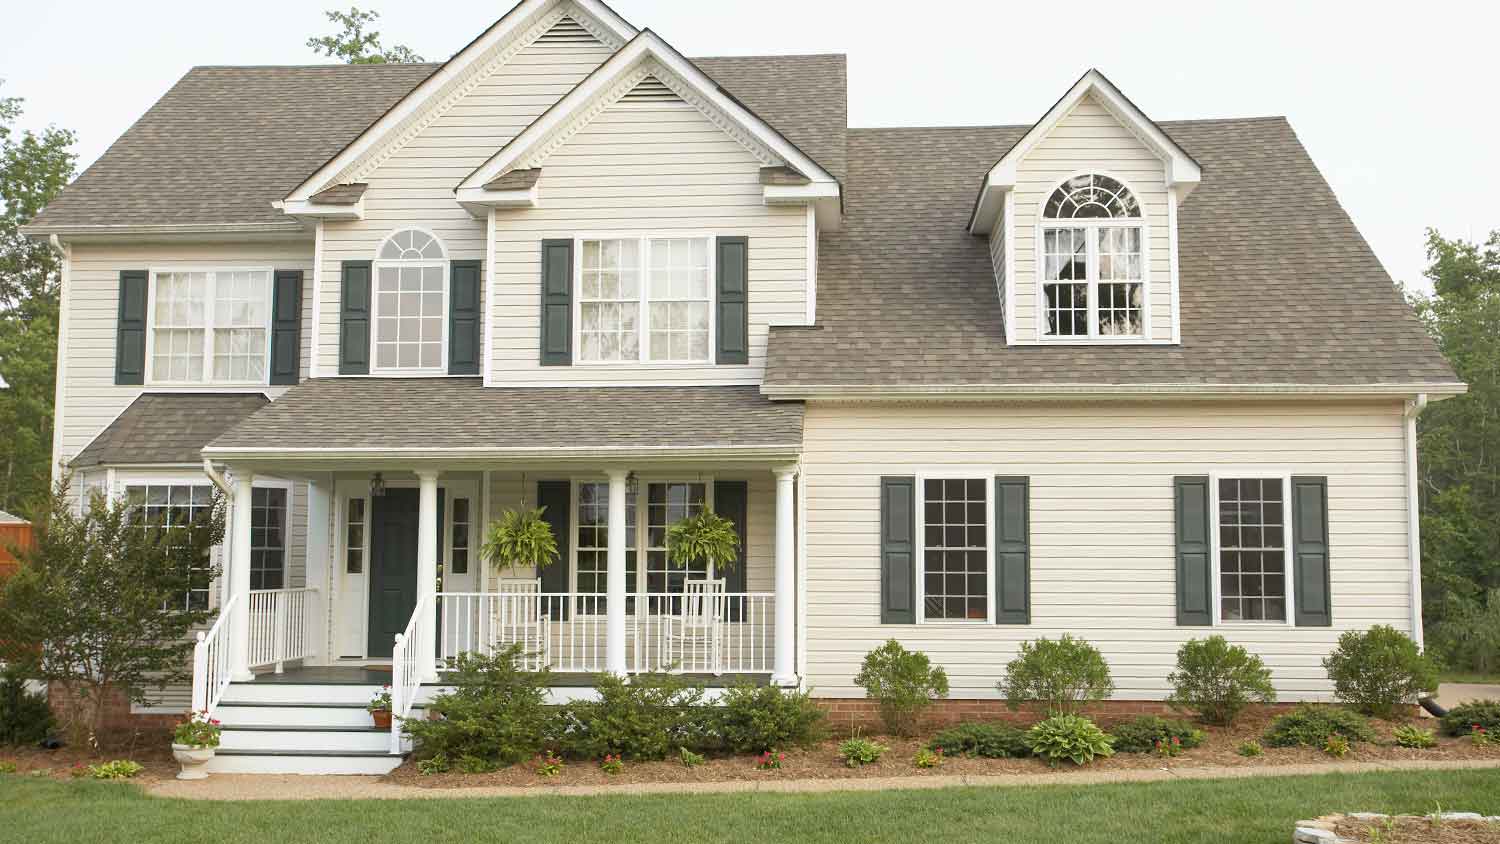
845	714
117	714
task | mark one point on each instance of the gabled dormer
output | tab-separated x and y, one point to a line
1081	214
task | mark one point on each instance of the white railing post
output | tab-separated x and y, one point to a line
278	632
784	671
398	683
200	673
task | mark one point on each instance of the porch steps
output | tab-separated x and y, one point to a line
281	727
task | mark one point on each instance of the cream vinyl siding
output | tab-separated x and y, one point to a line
1102	540
414	186
91	398
1090	139
646	168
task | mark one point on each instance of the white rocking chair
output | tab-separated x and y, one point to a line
693	634
519	618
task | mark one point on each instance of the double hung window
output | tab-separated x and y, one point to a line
210	326
645	300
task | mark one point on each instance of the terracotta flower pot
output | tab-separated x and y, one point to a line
382	718
193	760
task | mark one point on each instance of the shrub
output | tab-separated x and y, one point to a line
903	683
645	719
1415	737
1062	675
25	717
1462	719
1217	680
990	741
496	713
756	718
1336	746
1141	735
928	758
1379	670
861	751
1250	749
1070	737
688	758
119	769
437	764
1310	726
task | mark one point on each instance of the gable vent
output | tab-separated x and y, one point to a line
651	90
567	31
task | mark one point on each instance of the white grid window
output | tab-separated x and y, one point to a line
1065	282
210	325
1252	549
955	549
175	506
411	304
610	301
592	569
679	300
645	300
459	563
354	537
667	504
1093	282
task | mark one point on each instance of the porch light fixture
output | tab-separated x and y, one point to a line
632	484
377	486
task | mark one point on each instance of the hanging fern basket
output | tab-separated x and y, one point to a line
520	539
705	536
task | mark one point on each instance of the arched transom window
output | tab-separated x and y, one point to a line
1093	273
411	304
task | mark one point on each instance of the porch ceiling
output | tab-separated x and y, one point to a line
431	420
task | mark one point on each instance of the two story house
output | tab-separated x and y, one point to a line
963	387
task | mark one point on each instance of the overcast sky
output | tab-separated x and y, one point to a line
1395	103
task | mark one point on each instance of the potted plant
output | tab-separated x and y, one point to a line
705	536
380	708
193	744
520	539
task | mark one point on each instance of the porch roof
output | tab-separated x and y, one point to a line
461	418
160	428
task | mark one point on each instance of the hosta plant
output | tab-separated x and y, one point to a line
1414	737
1250	749
1070	738
860	751
928	757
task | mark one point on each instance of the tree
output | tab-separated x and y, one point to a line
34	167
1459	443
355	46
105	600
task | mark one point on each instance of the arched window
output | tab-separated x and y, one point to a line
411	304
1093	273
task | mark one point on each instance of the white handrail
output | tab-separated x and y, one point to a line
211	668
280	630
405	678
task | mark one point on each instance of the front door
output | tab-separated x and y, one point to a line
393	567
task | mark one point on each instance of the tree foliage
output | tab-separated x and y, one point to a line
353	45
34	167
1459	444
101	602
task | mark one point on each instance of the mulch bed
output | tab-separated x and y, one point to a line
151	749
822	761
1419	831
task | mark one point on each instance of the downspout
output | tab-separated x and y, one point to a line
60	388
1413	516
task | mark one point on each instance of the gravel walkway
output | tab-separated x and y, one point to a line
269	787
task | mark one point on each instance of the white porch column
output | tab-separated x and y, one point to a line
239	578
784	671
427	528
614	650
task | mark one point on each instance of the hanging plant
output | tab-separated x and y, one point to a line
706	536
520	539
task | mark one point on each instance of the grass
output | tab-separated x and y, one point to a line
1468	677
1240	810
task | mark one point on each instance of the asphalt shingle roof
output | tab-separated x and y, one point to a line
340	413
1277	285
167	428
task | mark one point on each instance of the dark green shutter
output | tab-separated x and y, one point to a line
731	500
1012	550
130	329
1310	552
1194	553
463	318
898	565
557	302
286	327
732	260
556	496
354	319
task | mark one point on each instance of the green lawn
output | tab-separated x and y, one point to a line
1244	810
1468	677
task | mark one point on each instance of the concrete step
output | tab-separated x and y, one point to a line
263	692
303	762
283	738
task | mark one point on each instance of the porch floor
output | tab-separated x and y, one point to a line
359	675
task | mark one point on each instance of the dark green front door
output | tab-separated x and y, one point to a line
393	567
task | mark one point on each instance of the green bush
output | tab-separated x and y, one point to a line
496	714
25	717
119	769
1310	726
1140	735
1250	749
1217	680
1062	675
861	751
1415	737
1071	737
752	719
1379	670
648	718
990	741
1462	719
903	683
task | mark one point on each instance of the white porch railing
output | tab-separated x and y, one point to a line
567	631
406	675
281	628
211	669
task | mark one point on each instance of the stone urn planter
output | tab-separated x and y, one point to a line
193	761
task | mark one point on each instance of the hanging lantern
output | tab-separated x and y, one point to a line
377	486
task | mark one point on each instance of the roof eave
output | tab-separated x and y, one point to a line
1435	391
421	454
